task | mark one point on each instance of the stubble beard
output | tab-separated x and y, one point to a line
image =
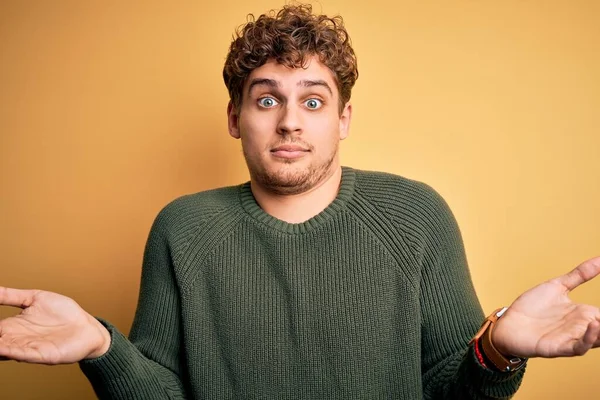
289	181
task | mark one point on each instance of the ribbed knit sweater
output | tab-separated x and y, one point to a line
370	299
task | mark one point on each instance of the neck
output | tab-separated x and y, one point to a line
298	208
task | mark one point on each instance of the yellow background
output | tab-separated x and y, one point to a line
110	109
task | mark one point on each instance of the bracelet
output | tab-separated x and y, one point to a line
497	359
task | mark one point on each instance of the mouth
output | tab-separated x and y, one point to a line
289	151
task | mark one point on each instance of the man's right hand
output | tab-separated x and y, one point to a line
51	329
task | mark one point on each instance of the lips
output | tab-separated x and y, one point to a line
289	147
289	151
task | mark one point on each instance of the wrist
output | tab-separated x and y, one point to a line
103	342
498	341
486	349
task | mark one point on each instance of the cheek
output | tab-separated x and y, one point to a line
318	121
253	138
257	123
326	140
326	128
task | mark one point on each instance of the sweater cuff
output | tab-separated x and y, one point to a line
113	364
123	372
495	384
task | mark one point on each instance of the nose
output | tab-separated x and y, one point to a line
290	120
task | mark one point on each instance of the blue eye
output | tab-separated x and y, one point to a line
313	104
267	102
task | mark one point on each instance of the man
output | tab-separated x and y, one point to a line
312	281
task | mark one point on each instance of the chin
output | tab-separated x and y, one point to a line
291	179
289	176
285	178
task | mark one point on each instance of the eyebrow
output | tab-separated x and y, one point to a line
274	84
262	82
318	82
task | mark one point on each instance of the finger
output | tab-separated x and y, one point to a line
584	272
597	341
588	340
8	352
16	354
22	354
16	297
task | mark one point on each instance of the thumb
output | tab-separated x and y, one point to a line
584	272
17	297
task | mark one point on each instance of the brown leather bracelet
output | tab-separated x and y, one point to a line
501	362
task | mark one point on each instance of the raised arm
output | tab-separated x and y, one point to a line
542	322
148	364
451	315
53	329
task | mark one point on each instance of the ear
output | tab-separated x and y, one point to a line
345	118
233	121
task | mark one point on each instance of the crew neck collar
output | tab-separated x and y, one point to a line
345	193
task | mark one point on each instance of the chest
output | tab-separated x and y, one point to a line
257	281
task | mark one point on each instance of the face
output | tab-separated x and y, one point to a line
290	126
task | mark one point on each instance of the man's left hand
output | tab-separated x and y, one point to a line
544	322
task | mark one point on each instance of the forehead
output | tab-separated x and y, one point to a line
288	78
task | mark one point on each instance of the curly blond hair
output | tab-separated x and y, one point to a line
290	37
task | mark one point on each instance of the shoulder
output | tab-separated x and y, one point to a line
396	194
208	201
411	206
191	210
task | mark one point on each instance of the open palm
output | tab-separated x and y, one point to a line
51	329
544	322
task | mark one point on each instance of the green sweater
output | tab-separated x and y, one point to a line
370	299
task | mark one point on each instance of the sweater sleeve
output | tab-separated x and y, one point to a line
451	314
147	365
